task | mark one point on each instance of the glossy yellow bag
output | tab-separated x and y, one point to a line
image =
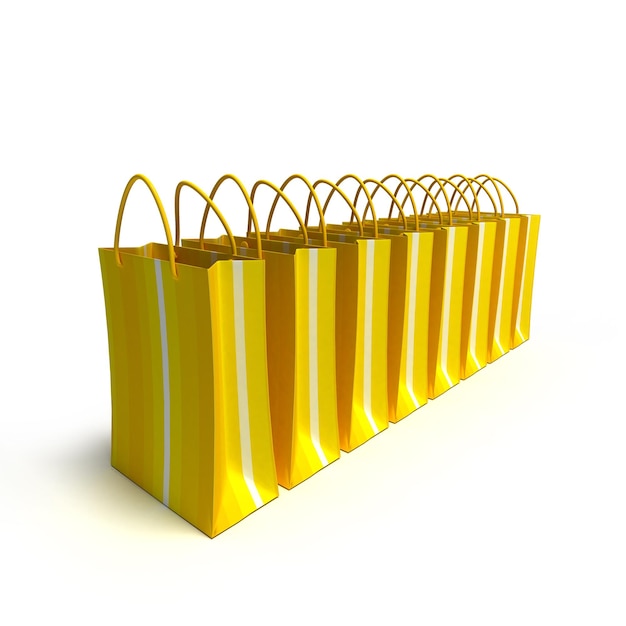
477	290
189	390
446	296
409	297
300	317
524	271
504	277
362	293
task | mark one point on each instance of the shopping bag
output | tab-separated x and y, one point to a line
481	242
446	294
362	292
504	277
300	318
409	295
524	272
190	399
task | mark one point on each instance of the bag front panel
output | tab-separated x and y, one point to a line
281	357
188	373
413	374
370	400
477	297
136	369
246	476
316	438
451	258
527	254
502	300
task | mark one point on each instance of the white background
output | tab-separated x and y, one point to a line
503	502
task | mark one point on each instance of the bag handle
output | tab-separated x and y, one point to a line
447	181
409	194
251	211
510	193
354	212
312	193
436	181
486	178
468	185
166	226
469	182
209	203
334	188
418	183
394	200
279	194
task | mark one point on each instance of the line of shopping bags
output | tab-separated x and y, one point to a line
243	362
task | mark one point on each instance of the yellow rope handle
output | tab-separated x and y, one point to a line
120	213
418	183
468	185
251	212
447	181
436	181
279	194
493	182
409	194
394	200
510	193
209	203
469	181
334	188
313	194
367	194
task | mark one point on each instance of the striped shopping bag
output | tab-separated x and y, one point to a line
189	391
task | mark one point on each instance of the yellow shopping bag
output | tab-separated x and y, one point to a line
504	275
446	296
524	272
362	293
190	400
409	300
300	305
481	244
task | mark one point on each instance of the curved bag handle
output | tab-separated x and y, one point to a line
279	194
468	182
209	203
409	194
166	226
313	194
251	212
448	181
436	181
486	178
419	183
367	194
341	192
510	193
394	200
468	185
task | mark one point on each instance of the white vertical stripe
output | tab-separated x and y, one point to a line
166	382
367	332
314	411
501	290
242	383
447	298
518	321
413	241
475	298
